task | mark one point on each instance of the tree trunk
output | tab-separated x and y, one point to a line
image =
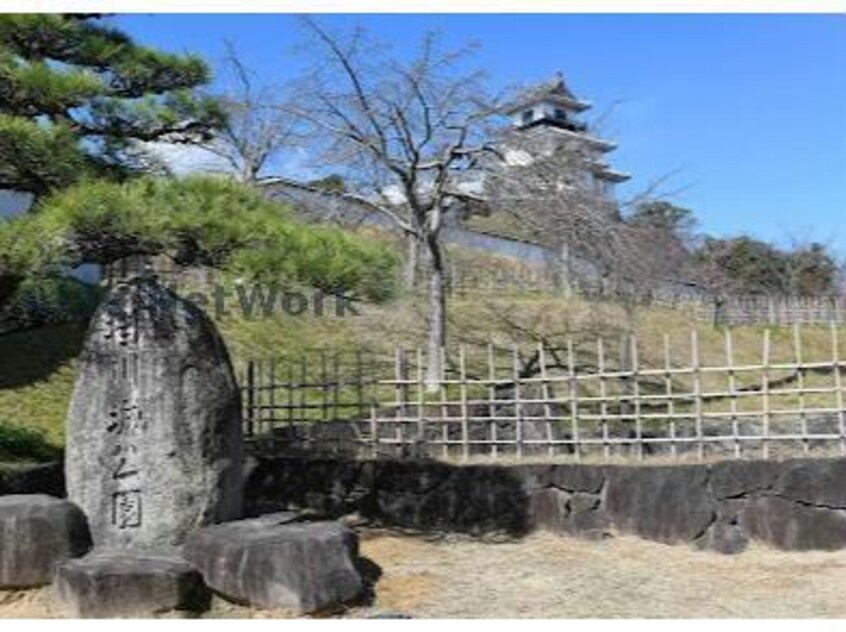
564	271
411	262
436	346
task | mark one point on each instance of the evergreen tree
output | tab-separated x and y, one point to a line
78	98
743	265
205	221
664	216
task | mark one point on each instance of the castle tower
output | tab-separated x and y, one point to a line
548	116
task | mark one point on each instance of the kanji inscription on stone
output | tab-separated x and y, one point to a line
126	509
154	428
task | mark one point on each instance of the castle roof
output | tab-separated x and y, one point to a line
553	91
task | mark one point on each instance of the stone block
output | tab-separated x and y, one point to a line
792	526
668	504
473	499
724	537
819	482
274	562
732	479
130	583
548	508
577	478
37	533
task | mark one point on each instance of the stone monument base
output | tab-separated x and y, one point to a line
276	561
37	533
116	584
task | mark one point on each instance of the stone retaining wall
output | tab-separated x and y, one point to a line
797	505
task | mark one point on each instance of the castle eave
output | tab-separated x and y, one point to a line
597	143
564	101
612	175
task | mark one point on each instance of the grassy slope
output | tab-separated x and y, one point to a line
37	367
36	381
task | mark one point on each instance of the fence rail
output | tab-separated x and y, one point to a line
583	400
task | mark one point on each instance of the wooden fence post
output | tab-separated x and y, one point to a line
838	385
697	392
445	416
518	408
359	384
261	396
303	388
547	410
400	407
324	387
732	383
603	396
251	395
636	396
272	398
465	421
800	377
624	379
574	398
765	391
291	398
421	420
374	432
668	391
336	385
491	400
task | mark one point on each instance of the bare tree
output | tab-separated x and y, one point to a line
405	136
548	189
258	127
550	193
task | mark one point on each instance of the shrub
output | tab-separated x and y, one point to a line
24	444
52	300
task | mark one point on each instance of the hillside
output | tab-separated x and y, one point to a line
37	366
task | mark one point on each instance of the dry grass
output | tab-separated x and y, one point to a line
551	576
632	459
27	604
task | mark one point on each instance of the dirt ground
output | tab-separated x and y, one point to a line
553	576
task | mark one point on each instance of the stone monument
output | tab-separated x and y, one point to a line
154	428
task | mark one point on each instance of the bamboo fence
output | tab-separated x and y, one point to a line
585	400
766	310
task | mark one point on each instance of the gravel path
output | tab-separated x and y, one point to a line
552	576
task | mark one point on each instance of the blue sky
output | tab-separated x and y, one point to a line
747	111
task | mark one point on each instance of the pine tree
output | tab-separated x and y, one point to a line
206	221
78	98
